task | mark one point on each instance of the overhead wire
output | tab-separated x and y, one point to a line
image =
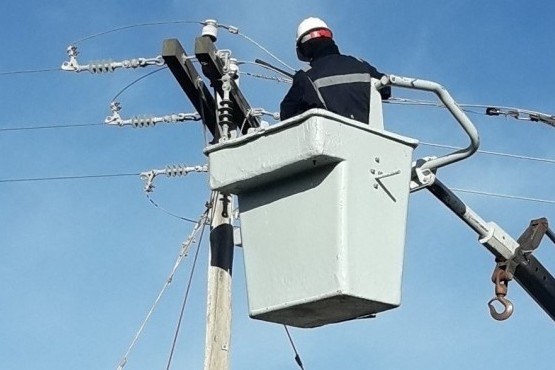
393	100
166	211
95	35
137	80
80	177
203	217
147	24
506	196
187	290
29	128
201	223
490	110
28	71
500	154
229	28
136	25
77	177
265	50
63	178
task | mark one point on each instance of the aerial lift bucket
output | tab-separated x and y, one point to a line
323	204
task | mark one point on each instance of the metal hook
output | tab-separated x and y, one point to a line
503	315
501	280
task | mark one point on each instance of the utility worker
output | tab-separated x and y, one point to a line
336	82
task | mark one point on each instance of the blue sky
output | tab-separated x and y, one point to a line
81	261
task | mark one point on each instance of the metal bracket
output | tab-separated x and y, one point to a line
257	112
526	270
422	177
499	242
532	236
115	118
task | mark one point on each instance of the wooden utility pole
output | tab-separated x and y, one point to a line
235	109
218	314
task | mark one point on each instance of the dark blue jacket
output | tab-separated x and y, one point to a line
336	82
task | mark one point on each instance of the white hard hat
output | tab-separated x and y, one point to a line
312	24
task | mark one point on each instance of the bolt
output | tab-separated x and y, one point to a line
375	186
377	159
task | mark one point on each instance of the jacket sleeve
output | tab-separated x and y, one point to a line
295	101
385	92
291	104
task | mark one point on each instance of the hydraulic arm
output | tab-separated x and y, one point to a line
514	258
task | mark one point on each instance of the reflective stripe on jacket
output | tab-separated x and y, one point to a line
338	83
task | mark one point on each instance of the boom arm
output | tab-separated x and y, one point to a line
515	256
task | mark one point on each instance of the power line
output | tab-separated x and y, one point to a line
500	154
81	177
166	211
137	80
506	196
27	71
28	128
265	50
137	25
545	160
231	29
489	110
64	178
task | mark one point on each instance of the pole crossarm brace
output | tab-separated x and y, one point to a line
190	81
515	255
213	69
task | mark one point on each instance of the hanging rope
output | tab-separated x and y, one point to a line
297	356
